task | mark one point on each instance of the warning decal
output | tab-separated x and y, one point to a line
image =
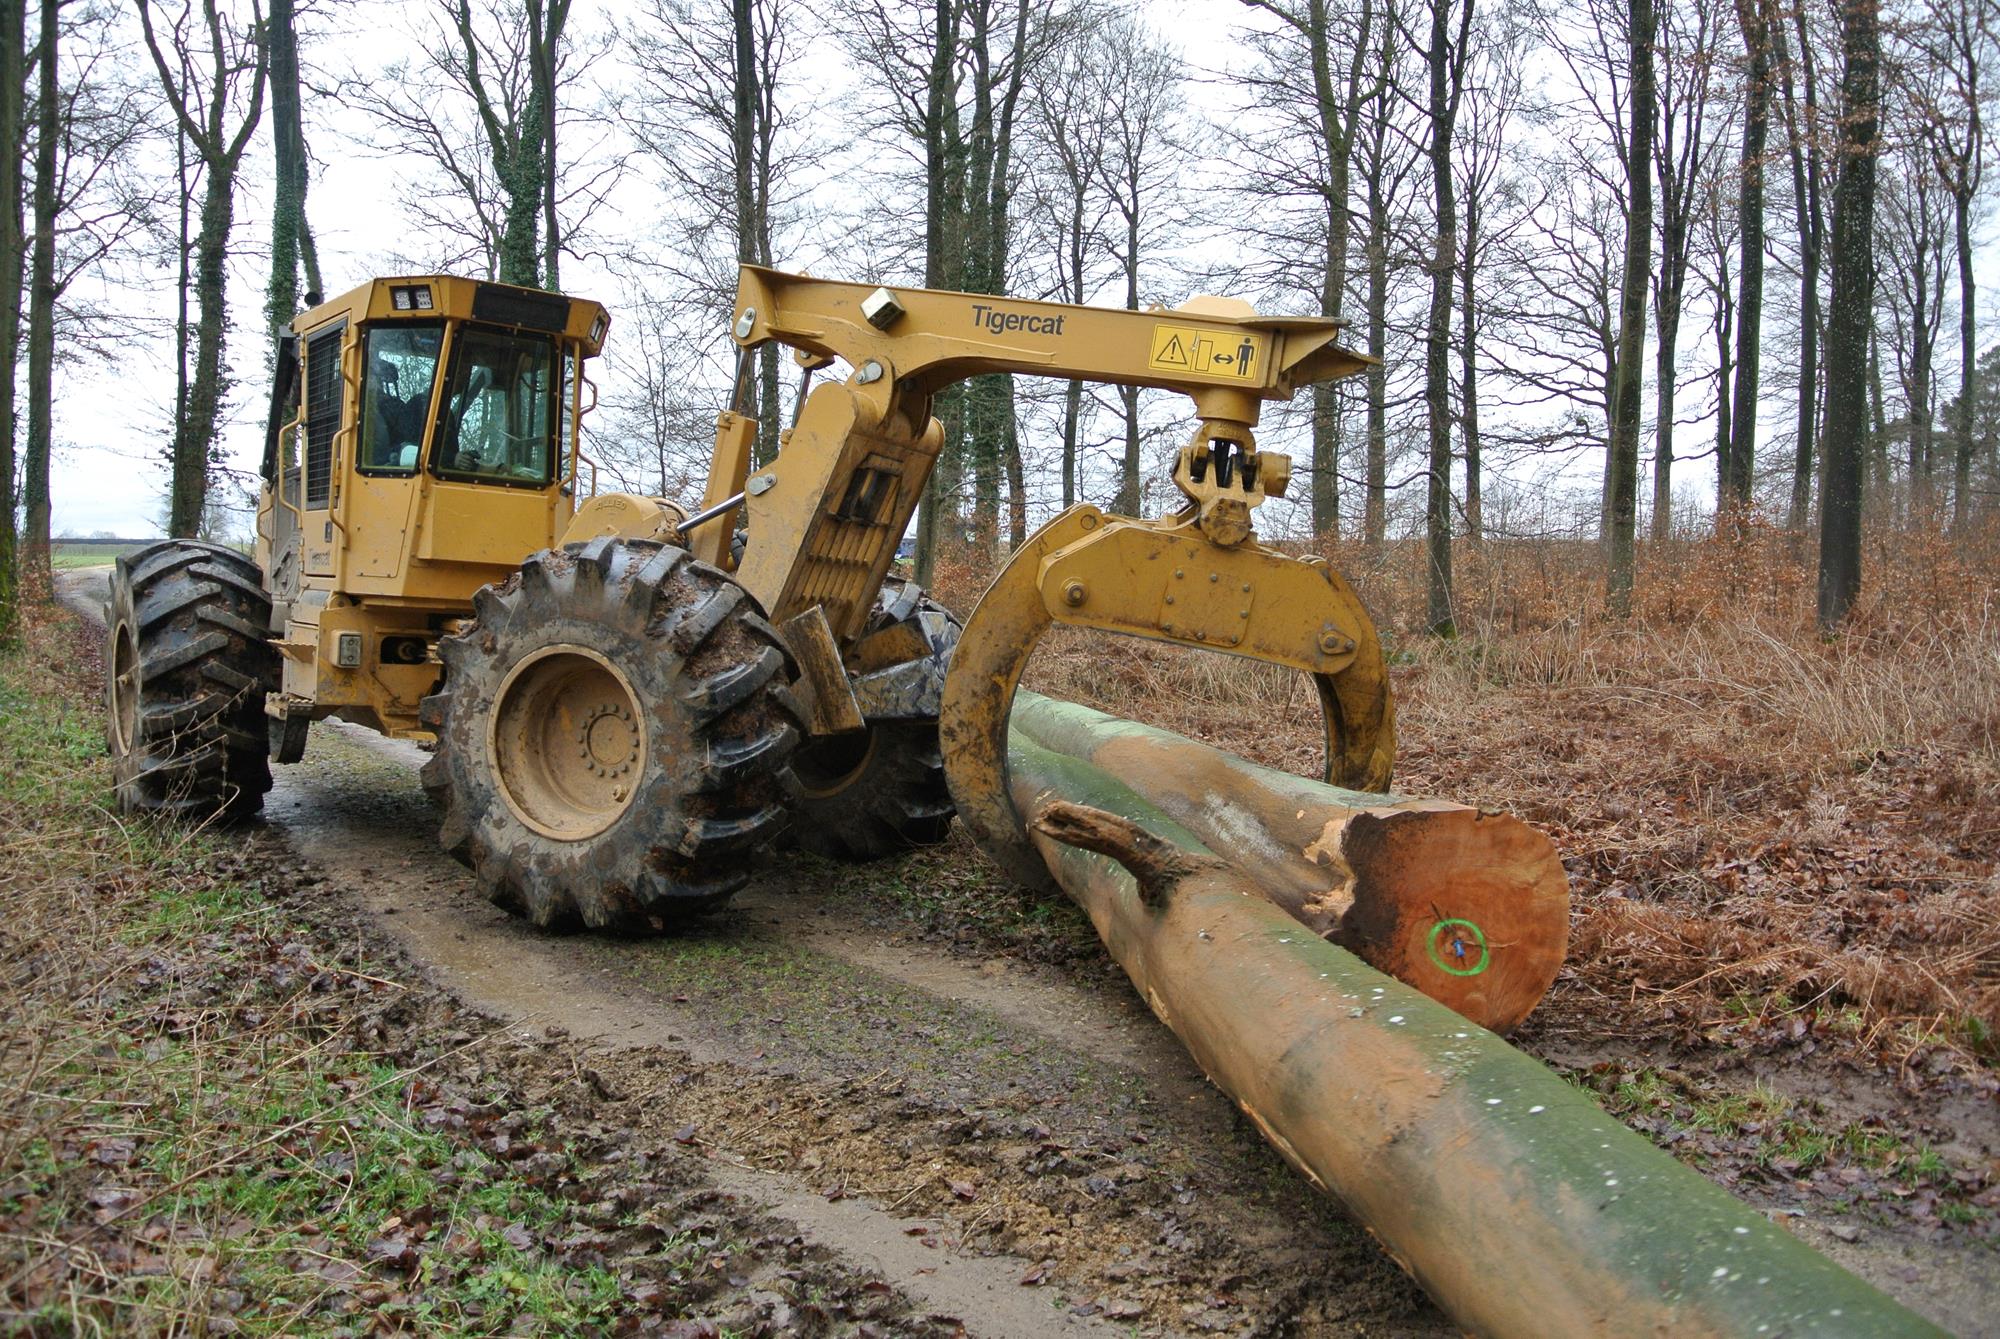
1185	348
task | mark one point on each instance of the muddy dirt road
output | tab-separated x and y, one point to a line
1000	1137
939	1080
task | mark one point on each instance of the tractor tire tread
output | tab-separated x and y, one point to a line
196	614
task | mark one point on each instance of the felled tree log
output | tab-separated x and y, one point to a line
1471	908
1519	1205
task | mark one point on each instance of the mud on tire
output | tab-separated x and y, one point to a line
613	733
882	792
187	666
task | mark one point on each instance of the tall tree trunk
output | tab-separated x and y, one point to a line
940	228
1444	61
1663	430
1755	19
1072	418
1375	515
13	75
1850	316
1128	476
1804	143
1337	110
221	154
548	46
1017	483
1468	374
1628	380
1961	470
291	233
1919	380
208	384
1073	259
1725	329
35	582
1878	418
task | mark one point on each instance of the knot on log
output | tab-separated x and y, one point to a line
1155	864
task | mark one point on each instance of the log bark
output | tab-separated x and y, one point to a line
1505	1191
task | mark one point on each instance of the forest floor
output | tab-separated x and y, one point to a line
303	1078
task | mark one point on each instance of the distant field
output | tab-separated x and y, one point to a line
62	555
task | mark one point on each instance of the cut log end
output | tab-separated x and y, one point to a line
1470	908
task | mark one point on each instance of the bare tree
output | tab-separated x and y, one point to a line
1385	164
1737	468
1849	318
1956	42
1912	220
202	104
13	253
955	75
1492	106
1067	145
1318	48
1624	447
1137	80
1798	81
1683	159
88	200
476	108
723	140
1446	60
41	313
292	247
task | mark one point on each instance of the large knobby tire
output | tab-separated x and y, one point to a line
187	664
613	733
882	791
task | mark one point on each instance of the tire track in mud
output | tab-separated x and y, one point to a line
960	1123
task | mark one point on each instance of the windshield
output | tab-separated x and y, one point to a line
402	366
498	420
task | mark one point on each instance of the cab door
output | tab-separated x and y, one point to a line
399	367
322	429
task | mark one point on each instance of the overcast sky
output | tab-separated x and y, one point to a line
112	419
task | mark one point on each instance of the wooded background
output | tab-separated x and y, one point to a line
1633	268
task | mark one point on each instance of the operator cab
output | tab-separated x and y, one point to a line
423	440
424	436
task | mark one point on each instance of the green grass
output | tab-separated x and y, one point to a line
1786	1137
188	1133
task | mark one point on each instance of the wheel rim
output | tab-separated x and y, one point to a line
567	736
831	764
124	686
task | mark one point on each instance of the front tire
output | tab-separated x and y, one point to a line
613	733
188	665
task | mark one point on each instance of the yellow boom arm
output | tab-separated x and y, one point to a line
825	517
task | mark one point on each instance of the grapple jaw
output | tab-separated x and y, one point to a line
1168	581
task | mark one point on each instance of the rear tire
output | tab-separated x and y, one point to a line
613	733
187	667
881	792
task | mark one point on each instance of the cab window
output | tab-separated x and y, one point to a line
396	404
498	420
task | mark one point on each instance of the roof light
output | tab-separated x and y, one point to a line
410	297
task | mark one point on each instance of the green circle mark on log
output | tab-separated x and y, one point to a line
1458	947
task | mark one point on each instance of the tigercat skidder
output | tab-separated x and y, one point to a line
630	700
